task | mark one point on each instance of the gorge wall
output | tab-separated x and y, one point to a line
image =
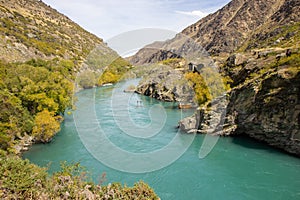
249	41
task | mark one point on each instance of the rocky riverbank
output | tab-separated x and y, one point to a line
166	84
266	108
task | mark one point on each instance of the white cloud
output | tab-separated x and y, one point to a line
197	13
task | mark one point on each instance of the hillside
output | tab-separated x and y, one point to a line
42	52
256	47
31	29
240	25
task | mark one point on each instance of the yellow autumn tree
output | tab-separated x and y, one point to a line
200	87
108	77
46	125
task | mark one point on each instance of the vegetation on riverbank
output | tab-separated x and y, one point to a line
22	180
114	72
34	95
41	54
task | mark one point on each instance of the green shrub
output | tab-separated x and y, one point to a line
174	62
87	79
199	85
27	90
19	179
46	125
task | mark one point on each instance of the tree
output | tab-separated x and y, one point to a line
46	125
87	79
200	87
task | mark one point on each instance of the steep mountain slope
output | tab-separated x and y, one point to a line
281	30
256	44
41	54
228	28
238	26
31	29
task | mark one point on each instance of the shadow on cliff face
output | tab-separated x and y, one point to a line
251	143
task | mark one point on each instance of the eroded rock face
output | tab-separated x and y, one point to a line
236	59
166	85
208	119
190	124
267	110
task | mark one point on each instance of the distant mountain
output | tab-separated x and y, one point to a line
256	46
31	29
240	25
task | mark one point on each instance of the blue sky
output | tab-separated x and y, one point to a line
109	18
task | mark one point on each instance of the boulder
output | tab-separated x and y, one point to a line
189	124
236	59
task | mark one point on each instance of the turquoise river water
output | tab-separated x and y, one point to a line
236	168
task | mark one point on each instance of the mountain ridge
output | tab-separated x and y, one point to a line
230	28
256	47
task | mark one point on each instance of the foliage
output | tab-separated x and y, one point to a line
200	87
108	77
215	82
105	66
31	93
22	180
282	36
87	79
207	85
292	61
15	120
174	62
46	125
115	71
290	65
34	94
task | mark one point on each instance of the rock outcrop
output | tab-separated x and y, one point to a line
266	108
208	119
166	84
190	124
252	39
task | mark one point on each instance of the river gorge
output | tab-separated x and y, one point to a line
236	168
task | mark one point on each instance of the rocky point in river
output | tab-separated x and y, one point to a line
166	84
256	45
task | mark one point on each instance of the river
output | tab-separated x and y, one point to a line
236	168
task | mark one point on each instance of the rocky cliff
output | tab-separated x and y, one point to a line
166	84
268	110
266	107
256	44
